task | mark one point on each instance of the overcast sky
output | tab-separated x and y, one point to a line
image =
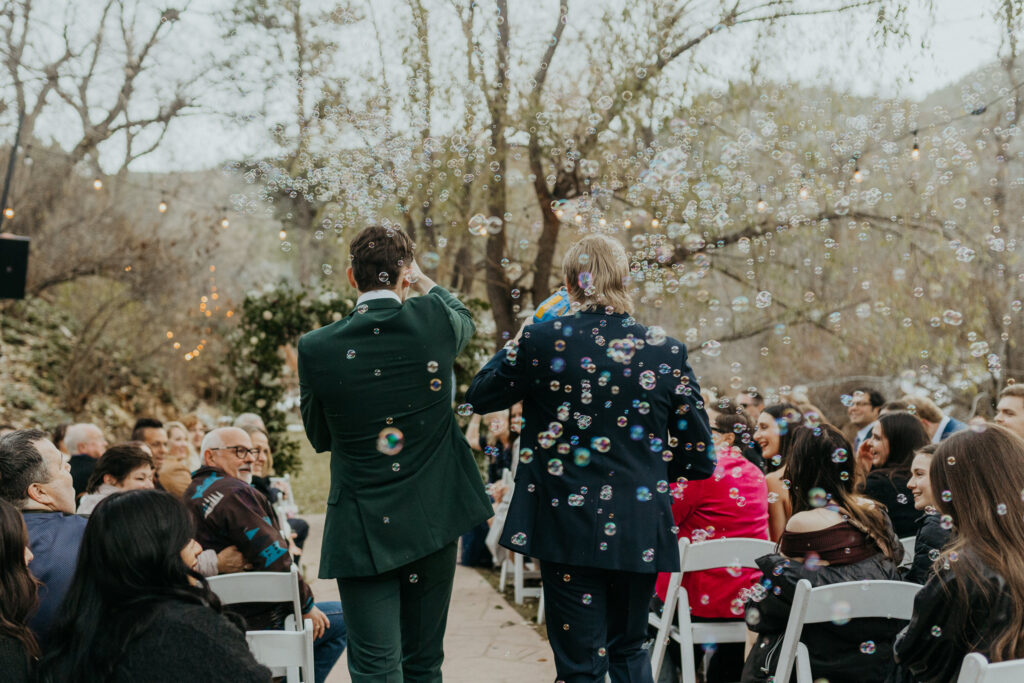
944	48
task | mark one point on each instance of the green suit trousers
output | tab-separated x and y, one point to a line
396	620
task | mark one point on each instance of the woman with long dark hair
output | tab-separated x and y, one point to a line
775	430
834	536
893	441
974	599
137	610
18	598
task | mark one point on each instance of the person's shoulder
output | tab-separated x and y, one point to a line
189	625
810	521
314	336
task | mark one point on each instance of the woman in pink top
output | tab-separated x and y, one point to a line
732	503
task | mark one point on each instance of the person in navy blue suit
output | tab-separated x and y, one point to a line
613	421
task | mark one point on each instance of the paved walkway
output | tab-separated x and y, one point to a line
486	640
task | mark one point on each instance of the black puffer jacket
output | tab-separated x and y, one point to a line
839	653
941	633
931	538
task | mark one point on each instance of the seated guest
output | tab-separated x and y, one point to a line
196	431
732	503
262	468
34	477
862	407
137	610
932	535
834	536
247	420
18	647
179	446
733	430
937	425
85	443
974	601
894	440
58	437
121	468
171	474
776	427
750	402
229	511
496	445
1010	409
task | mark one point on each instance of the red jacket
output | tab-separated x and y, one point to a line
732	503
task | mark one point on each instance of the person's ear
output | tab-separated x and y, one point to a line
351	277
38	493
109	480
208	454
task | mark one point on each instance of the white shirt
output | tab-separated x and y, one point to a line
861	435
937	436
377	294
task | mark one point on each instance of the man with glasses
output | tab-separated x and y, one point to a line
751	403
228	511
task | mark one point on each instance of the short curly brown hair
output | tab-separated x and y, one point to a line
378	255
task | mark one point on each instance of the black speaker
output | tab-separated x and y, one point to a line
13	266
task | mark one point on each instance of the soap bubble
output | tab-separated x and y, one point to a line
390	441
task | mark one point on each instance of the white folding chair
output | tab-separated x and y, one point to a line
726	553
263	587
977	669
850	600
285	653
908	550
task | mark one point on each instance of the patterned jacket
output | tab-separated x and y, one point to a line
230	512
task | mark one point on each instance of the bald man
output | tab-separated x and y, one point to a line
86	444
230	512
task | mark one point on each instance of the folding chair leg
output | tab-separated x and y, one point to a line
689	665
517	579
540	608
662	638
803	664
503	576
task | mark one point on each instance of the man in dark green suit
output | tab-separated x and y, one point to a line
377	392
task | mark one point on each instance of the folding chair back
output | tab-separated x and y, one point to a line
284	652
977	669
261	587
726	553
835	602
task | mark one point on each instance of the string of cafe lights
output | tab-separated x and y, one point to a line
163	206
206	307
915	150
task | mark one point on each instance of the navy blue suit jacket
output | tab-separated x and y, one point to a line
611	420
952	427
54	539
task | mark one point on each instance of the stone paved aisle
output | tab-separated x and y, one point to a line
486	640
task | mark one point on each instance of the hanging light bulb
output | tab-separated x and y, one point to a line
162	206
655	223
282	235
915	152
762	205
804	192
8	212
857	175
97	184
224	222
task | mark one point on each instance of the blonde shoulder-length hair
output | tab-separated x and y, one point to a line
596	272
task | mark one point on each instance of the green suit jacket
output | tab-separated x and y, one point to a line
396	496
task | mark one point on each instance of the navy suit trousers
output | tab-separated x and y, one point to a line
597	623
